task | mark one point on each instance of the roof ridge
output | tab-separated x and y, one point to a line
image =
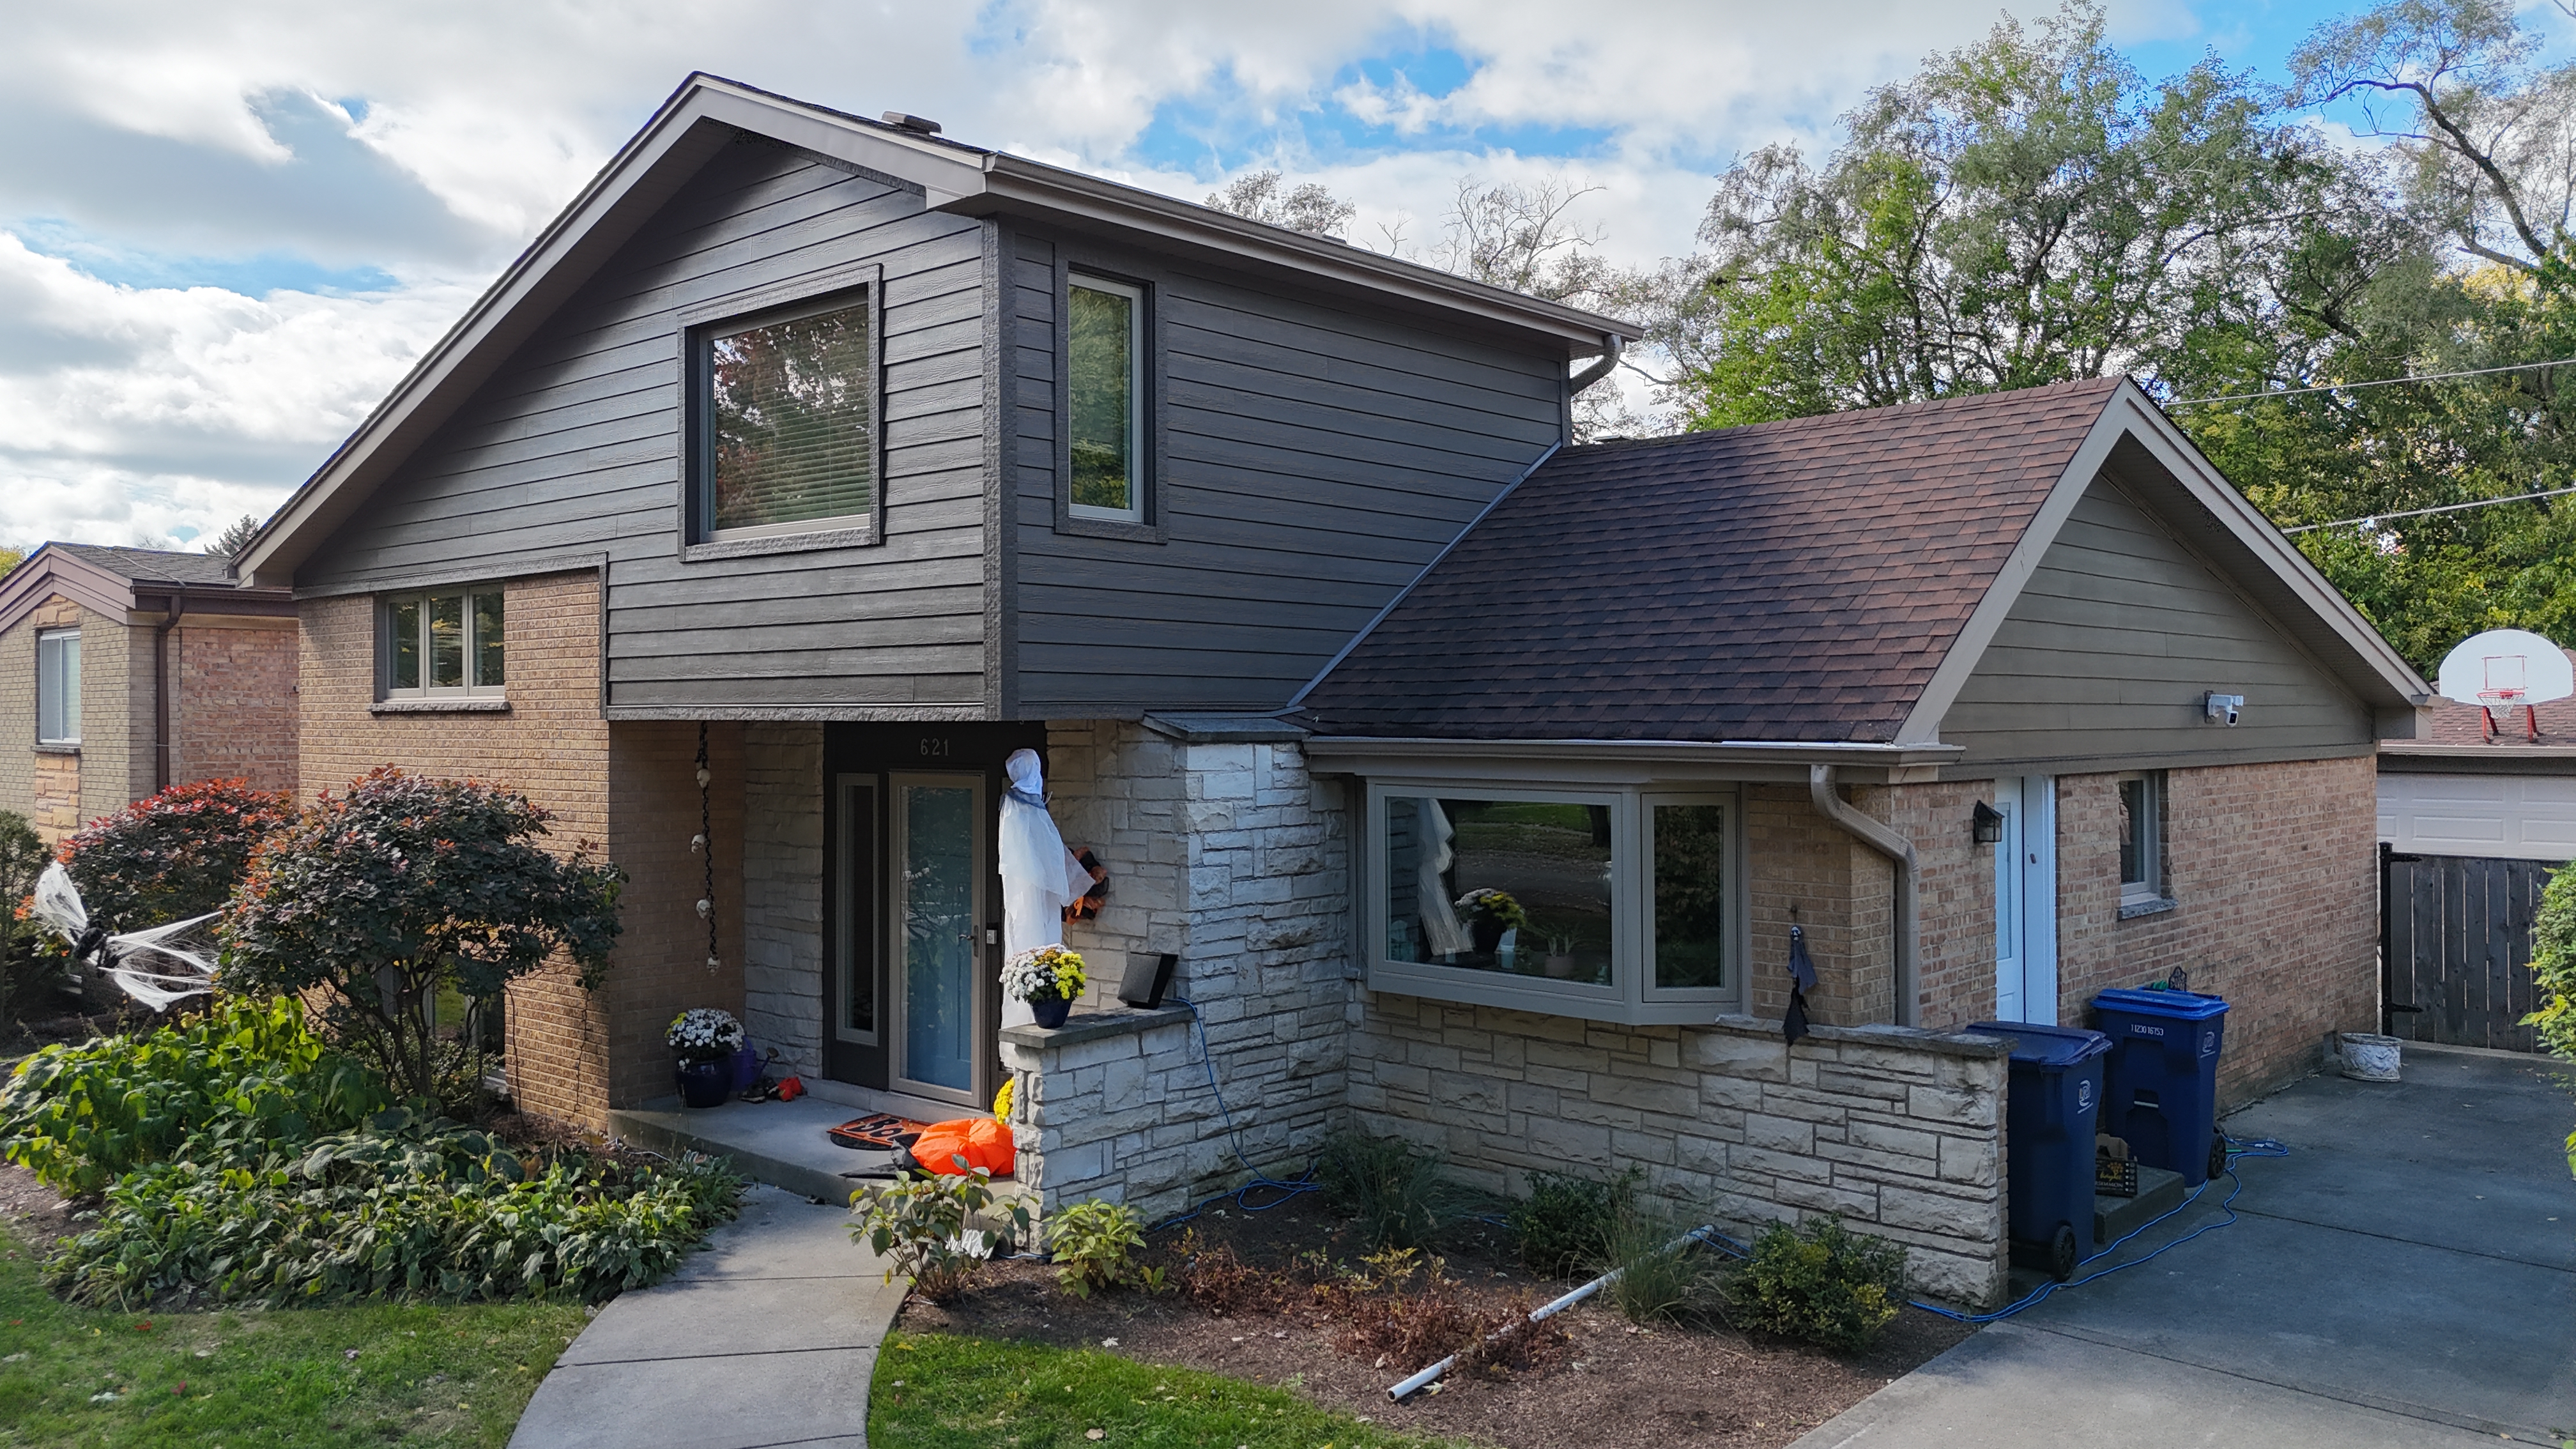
2108	383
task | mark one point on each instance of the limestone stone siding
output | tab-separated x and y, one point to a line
782	885
1899	1131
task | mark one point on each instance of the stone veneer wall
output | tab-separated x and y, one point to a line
782	886
1232	856
1900	1131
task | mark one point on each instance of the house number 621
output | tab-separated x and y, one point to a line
934	748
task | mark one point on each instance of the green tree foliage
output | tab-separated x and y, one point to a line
405	885
175	855
235	537
2553	963
22	859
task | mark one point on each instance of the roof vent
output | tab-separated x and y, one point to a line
916	124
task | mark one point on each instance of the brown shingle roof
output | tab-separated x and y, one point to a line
1793	581
153	565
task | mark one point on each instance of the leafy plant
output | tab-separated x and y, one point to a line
180	853
1049	973
920	1227
2553	965
1094	1246
1660	1280
22	859
1564	1225
1821	1283
1396	1192
247	1077
381	896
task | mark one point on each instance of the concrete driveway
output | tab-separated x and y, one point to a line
2407	1276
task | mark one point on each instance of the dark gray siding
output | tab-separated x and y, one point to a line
1315	455
574	448
2104	659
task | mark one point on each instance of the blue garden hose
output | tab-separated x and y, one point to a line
1304	1183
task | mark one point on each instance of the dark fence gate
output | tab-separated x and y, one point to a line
2455	947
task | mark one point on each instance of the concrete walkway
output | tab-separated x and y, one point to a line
2406	1277
767	1337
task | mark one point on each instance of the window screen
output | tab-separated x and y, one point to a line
791	422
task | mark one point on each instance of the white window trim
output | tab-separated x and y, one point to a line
1137	374
2151	890
1631	997
72	740
385	604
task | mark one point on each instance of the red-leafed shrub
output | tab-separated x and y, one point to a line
175	855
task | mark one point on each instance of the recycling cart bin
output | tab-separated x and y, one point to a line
2162	1092
2048	1167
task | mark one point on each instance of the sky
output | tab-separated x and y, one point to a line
226	230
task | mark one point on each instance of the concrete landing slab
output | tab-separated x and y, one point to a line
780	1143
2160	1191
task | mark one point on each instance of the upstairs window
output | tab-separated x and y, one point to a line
2142	839
787	428
58	687
444	644
1105	372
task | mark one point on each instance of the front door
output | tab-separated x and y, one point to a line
2026	900
935	926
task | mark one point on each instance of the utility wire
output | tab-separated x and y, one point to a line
2193	402
2420	512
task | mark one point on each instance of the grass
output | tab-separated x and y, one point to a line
935	1391
283	1379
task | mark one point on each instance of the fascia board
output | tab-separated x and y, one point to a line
48	572
1922	724
1620	761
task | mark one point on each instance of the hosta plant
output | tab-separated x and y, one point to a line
919	1227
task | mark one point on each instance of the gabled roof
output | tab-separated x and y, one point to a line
114	581
1827	580
708	111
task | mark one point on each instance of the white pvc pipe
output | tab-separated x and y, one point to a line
1400	1391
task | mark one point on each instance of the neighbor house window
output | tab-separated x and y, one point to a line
1618	905
787	423
58	687
2142	839
444	643
1105	371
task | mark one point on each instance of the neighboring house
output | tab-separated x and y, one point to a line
857	459
2471	827
124	670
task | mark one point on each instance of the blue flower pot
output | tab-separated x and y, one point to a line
704	1084
1051	1011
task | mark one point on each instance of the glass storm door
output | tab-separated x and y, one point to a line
2026	900
937	890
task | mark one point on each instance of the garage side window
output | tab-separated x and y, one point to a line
58	687
2142	838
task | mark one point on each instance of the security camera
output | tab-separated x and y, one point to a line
2222	708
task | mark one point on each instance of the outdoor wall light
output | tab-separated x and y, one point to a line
1987	825
2222	708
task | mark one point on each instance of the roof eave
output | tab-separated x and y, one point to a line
1863	762
50	571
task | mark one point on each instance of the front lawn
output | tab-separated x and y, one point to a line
941	1391
394	1373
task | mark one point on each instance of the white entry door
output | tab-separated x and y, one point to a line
2026	900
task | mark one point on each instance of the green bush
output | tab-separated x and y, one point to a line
1821	1283
2553	964
178	854
1094	1246
919	1227
248	1077
1661	1280
1564	1225
22	965
1396	1192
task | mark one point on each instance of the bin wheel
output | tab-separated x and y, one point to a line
2217	1157
2062	1252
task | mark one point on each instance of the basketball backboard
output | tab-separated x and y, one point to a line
2503	670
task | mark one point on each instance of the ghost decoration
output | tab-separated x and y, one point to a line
1039	876
158	967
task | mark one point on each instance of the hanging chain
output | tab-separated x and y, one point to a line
705	846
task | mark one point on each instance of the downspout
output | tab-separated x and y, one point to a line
1611	347
1899	851
161	690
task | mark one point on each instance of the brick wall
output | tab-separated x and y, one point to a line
45	786
782	885
661	966
2273	870
231	683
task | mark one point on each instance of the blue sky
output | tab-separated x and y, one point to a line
225	231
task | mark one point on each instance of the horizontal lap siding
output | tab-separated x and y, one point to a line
1313	460
2112	645
575	448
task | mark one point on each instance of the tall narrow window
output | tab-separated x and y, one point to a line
1105	356
1690	887
2142	838
789	425
444	643
58	687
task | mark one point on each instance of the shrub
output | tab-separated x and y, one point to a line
1564	1225
1405	1327
919	1227
402	886
1821	1283
1218	1282
1094	1246
1660	1282
22	859
2553	964
1396	1192
180	853
247	1077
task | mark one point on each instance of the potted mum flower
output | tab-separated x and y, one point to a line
1491	914
1050	979
703	1040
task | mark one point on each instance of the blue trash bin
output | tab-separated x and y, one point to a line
2048	1168
2162	1092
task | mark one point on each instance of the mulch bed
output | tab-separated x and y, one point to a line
1608	1382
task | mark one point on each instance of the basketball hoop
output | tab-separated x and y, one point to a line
2492	702
2505	669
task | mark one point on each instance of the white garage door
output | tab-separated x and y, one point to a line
2512	817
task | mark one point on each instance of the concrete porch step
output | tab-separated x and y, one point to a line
779	1143
2159	1192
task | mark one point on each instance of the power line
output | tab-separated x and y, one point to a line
2193	402
2420	512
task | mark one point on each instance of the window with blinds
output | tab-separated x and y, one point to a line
790	424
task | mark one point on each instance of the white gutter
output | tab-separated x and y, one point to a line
1877	836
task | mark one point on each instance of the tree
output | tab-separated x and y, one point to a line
10	558
175	855
380	896
235	536
22	859
1306	207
